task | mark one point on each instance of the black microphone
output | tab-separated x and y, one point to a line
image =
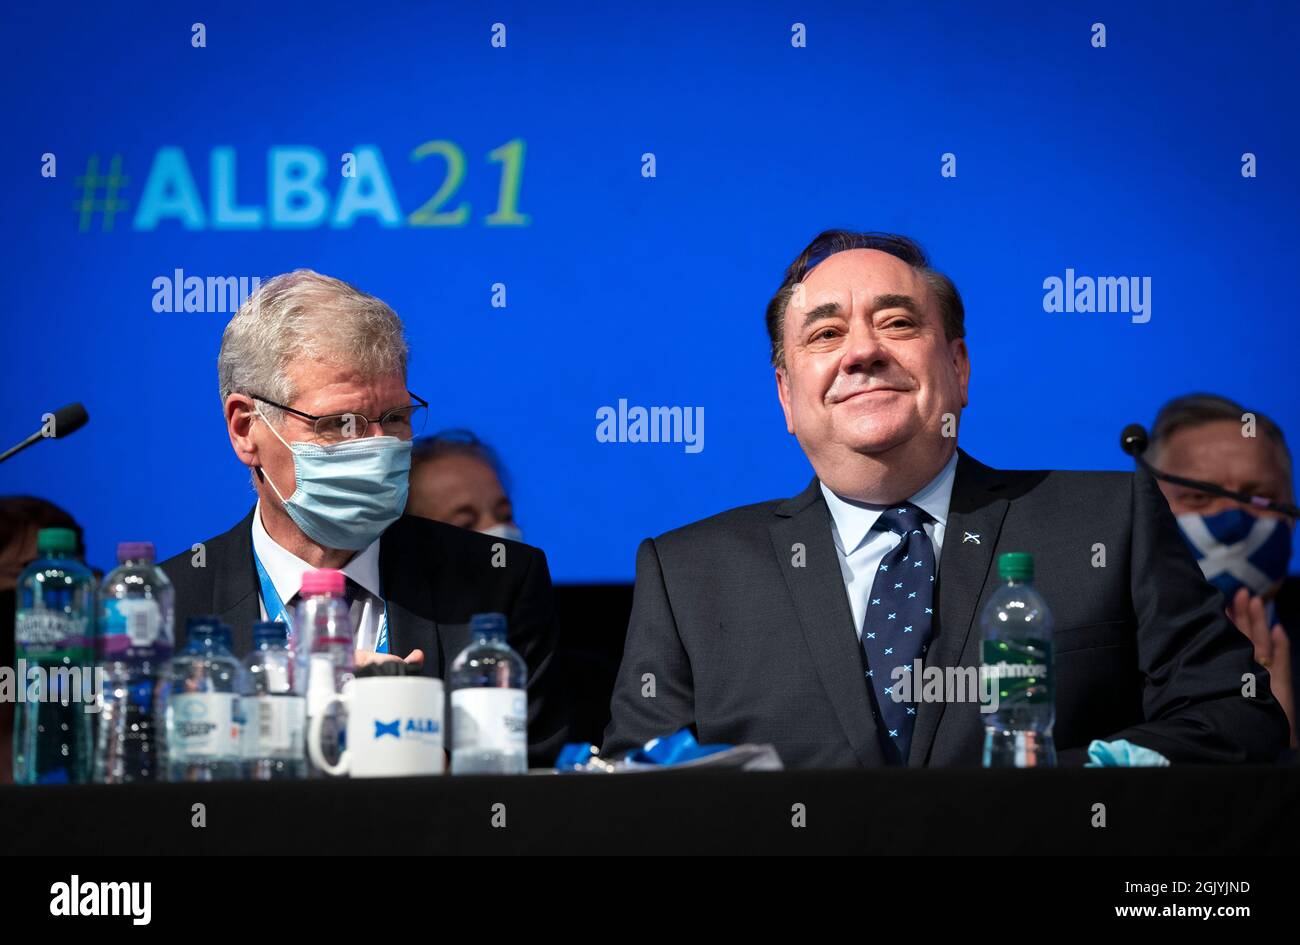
63	422
1134	441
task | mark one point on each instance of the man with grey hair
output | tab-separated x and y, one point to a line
313	385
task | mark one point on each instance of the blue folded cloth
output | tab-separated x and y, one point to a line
673	749
574	756
1123	754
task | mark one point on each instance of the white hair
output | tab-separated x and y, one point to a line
303	314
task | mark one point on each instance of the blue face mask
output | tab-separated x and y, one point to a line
349	492
1236	549
504	530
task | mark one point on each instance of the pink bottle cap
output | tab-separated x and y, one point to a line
324	581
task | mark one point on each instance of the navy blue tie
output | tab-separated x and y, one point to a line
896	629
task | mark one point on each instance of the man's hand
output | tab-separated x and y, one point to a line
1272	649
366	657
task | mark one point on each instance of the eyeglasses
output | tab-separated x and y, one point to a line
402	422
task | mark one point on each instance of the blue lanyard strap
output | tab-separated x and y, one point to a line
275	609
274	605
381	641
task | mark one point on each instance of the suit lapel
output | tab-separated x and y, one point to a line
821	601
235	594
408	594
975	514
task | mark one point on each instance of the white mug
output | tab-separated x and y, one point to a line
394	728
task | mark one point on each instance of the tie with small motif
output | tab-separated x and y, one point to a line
896	629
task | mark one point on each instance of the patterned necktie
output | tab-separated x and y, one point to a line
896	629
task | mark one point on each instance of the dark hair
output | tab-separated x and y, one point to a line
829	242
21	513
426	449
1194	410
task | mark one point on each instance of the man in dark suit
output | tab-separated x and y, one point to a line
775	623
1243	550
313	382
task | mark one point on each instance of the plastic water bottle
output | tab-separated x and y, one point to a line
136	638
274	715
1017	656
489	706
323	648
54	645
199	701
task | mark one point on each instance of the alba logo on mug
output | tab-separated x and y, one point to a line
414	728
394	728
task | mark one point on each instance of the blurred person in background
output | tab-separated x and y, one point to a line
458	479
1243	551
21	517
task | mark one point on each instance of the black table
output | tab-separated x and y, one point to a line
1183	810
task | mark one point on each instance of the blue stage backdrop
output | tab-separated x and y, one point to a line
630	181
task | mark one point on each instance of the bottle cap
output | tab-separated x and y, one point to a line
207	626
201	624
491	625
221	636
324	581
57	540
135	551
1016	566
270	631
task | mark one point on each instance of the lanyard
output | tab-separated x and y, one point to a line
274	605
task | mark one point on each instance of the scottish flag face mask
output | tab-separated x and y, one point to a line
1236	549
349	492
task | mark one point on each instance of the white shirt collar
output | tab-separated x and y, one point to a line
286	569
854	520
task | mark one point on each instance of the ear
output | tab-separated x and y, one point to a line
783	394
241	417
961	363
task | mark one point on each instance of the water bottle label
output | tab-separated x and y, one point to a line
131	624
241	728
248	727
277	724
1022	669
277	676
320	682
489	719
49	633
203	725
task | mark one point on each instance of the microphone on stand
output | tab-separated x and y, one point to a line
65	421
1134	441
